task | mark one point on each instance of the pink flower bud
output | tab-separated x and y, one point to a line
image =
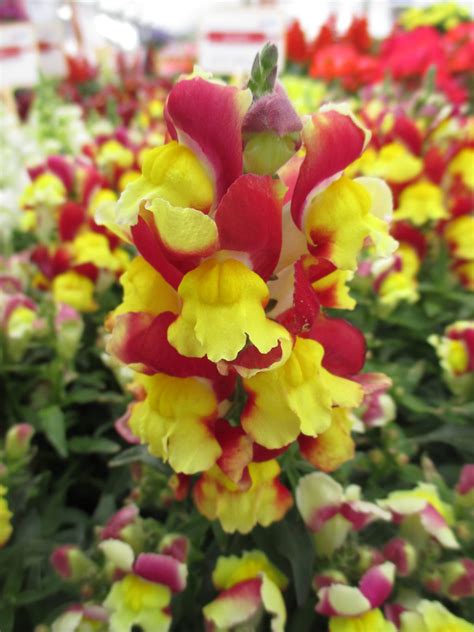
458	578
327	578
176	546
71	563
118	522
161	569
465	486
17	441
402	554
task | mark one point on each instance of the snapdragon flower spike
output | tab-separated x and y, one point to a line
374	588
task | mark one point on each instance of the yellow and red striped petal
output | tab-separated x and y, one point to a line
171	172
184	232
207	117
333	139
331	448
265	501
295	398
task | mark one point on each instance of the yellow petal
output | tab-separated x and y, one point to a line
223	306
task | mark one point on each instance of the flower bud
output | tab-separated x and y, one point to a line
271	132
17	441
328	577
176	546
458	578
403	554
432	581
71	563
465	487
69	327
368	557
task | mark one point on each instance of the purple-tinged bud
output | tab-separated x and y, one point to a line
458	578
18	440
465	487
118	522
403	554
161	569
176	546
71	563
271	133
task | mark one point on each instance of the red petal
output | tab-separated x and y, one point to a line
332	143
148	243
249	220
140	339
208	118
71	217
344	345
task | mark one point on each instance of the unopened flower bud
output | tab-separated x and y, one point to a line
465	487
18	440
176	546
69	327
403	554
458	578
368	557
71	563
328	577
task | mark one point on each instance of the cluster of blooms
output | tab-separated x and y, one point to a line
425	154
15	454
355	60
128	581
223	312
337	518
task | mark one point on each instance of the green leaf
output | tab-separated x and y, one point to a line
53	425
138	454
459	437
91	445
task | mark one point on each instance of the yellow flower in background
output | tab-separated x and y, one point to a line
114	153
101	198
46	190
91	247
410	259
372	621
305	94
5	518
420	203
432	616
74	290
366	164
459	233
462	165
397	164
396	287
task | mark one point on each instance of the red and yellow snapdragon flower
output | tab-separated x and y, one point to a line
223	308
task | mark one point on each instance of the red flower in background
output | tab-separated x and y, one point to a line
358	34
80	69
296	46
